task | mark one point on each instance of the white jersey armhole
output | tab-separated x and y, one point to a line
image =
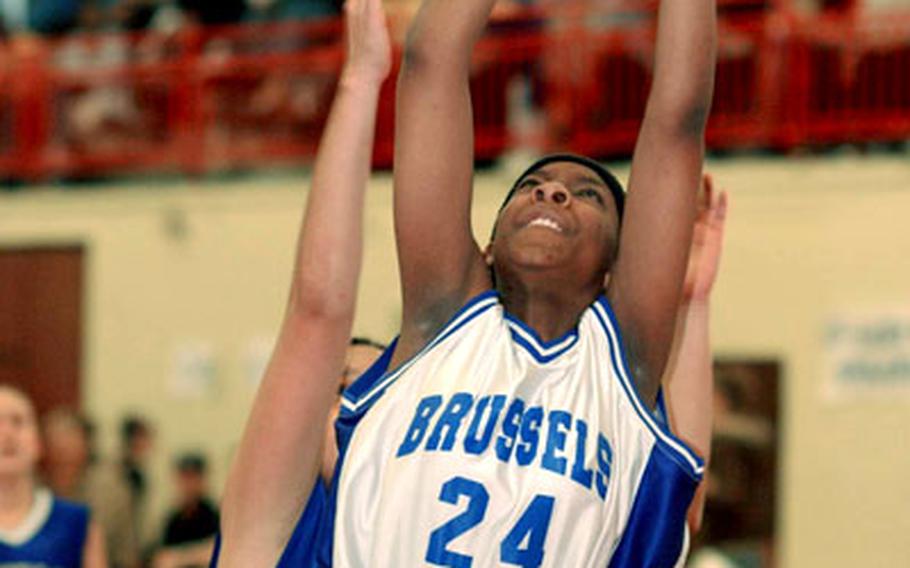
688	459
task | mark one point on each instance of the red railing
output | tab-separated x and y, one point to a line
204	100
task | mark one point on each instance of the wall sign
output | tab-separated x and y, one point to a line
868	353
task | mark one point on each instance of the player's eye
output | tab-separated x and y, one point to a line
528	183
590	193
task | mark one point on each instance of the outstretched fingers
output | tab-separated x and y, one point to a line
369	49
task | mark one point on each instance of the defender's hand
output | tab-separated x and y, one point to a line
369	50
707	242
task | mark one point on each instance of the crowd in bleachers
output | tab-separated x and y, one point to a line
51	18
203	85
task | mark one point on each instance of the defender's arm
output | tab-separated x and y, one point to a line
666	171
279	457
689	380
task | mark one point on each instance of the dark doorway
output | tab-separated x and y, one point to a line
41	323
738	528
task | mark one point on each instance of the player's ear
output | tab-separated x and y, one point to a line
488	254
606	280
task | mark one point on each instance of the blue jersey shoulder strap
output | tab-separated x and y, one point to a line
59	542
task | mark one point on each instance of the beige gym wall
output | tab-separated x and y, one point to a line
207	264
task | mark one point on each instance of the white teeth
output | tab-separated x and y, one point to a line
544	222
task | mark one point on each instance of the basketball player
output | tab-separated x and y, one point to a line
360	356
517	426
279	458
36	528
327	461
689	379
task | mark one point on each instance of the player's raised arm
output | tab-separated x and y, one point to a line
666	171
689	380
441	266
279	457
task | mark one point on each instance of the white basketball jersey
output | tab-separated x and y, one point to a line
493	448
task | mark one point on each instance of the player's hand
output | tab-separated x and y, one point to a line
369	50
707	242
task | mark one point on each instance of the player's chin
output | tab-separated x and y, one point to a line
541	258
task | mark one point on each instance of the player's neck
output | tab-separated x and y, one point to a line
17	494
551	308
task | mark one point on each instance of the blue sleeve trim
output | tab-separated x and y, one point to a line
684	455
655	532
660	410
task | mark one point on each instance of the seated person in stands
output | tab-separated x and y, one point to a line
189	533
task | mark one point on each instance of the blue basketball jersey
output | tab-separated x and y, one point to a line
52	536
301	548
310	543
492	447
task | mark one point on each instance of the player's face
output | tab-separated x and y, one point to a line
190	486
20	444
561	216
66	446
357	360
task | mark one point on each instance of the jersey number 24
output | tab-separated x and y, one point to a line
523	546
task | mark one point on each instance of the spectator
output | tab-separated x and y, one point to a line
74	472
136	441
136	444
189	533
63	535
